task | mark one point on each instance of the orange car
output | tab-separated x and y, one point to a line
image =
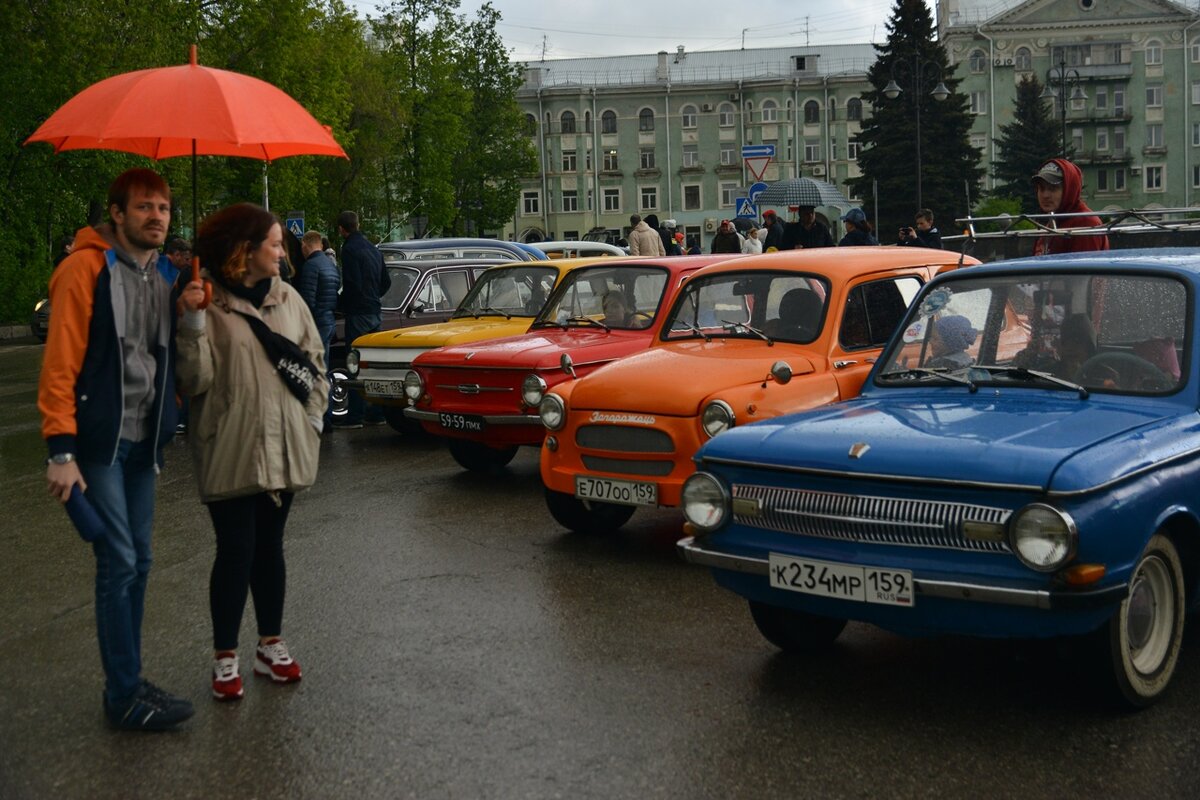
743	341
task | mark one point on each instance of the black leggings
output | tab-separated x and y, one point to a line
249	556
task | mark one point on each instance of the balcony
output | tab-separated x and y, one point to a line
694	169
1110	156
1154	151
728	169
647	172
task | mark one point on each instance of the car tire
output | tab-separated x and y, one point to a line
593	518
478	457
394	416
1139	647
339	395
795	631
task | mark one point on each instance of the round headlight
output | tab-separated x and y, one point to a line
414	387
1043	537
352	362
533	389
705	501
716	418
553	411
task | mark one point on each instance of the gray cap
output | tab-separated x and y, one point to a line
855	215
1050	173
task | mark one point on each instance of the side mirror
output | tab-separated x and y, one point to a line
781	372
567	365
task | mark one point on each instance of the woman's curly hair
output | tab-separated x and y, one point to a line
227	238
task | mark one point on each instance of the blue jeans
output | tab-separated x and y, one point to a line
123	495
357	409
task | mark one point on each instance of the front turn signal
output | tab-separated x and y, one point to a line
1083	574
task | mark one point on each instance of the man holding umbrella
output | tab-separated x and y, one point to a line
107	397
807	232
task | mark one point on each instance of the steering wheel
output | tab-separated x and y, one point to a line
640	319
1123	371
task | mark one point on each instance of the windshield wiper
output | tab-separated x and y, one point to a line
589	321
478	311
936	372
492	310
733	327
1022	372
693	328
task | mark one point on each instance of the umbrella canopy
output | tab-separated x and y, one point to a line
803	192
185	111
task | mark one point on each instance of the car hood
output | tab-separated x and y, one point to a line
541	349
443	333
674	379
1053	444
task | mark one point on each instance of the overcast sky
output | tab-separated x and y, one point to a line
582	28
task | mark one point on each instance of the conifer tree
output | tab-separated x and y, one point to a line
1024	144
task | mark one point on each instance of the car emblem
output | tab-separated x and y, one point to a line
468	388
470	355
859	449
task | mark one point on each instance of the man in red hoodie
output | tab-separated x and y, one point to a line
1058	184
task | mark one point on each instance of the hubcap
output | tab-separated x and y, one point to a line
1150	616
1140	615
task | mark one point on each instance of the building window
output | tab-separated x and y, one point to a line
646	120
1077	139
691	155
567	122
649	198
691	197
688	115
608	122
531	125
812	151
1153	53
800	62
978	61
729	194
833	150
979	142
589	199
1102	138
1102	180
1195	49
1154	179
852	151
769	111
1119	102
979	103
646	155
612	199
531	203
1154	96
587	157
570	236
570	201
832	110
1023	59
1196	93
587	122
1101	98
854	109
1118	180
1154	136
611	163
1196	134
1196	176
812	112
728	154
1119	140
569	163
725	115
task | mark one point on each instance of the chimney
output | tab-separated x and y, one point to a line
663	71
679	54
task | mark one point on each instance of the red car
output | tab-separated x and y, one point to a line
483	397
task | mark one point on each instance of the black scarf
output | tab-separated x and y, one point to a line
295	369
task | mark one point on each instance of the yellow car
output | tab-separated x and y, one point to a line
503	302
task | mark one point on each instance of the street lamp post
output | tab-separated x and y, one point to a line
920	77
1065	79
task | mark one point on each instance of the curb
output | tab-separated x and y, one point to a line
15	332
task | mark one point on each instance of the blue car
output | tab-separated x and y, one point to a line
1023	461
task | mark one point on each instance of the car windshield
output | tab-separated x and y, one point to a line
785	306
625	297
402	281
518	291
1078	332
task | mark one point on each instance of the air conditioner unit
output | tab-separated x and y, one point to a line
733	96
1135	170
706	107
818	170
710	225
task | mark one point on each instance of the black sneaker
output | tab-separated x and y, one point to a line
150	709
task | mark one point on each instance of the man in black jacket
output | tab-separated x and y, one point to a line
774	230
317	280
364	281
923	234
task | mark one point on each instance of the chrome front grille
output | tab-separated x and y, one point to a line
878	520
623	466
624	439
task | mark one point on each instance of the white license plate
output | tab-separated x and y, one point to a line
384	388
626	493
889	587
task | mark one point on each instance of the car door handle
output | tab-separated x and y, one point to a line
843	363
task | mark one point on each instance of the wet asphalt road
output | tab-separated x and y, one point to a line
457	644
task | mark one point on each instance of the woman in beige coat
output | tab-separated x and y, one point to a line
255	438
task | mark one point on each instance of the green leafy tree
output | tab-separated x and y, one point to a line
1024	144
950	165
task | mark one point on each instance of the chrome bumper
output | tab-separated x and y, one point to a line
490	419
950	590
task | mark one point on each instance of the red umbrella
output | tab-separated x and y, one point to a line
187	111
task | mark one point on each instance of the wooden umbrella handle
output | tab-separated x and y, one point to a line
196	277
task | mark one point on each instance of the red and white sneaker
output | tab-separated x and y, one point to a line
227	683
273	661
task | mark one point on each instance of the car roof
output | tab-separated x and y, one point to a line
841	263
426	264
459	242
1175	259
585	246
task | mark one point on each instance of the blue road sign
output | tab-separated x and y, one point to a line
746	209
755	191
758	151
295	224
